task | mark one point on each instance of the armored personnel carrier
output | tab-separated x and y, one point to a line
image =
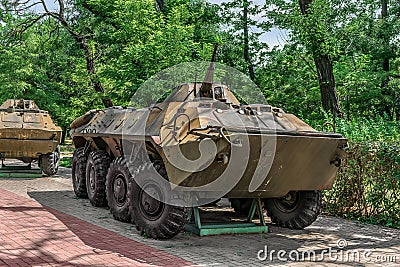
28	134
259	151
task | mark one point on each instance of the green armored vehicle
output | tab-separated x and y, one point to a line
28	134
204	145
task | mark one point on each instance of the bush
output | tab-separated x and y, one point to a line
362	129
367	130
368	184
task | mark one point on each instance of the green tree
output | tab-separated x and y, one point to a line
123	42
241	35
310	26
50	71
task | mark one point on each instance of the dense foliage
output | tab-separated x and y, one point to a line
72	55
128	41
368	184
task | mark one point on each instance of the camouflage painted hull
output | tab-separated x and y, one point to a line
197	146
27	143
297	164
292	157
26	132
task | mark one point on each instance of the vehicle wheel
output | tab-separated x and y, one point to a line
50	162
79	161
116	189
241	205
96	172
296	210
152	216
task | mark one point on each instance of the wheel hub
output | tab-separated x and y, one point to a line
287	203
92	178
149	202
119	190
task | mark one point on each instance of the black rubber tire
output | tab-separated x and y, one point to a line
96	172
295	214
79	161
241	205
117	189
50	162
167	220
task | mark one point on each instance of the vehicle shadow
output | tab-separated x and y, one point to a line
324	234
96	233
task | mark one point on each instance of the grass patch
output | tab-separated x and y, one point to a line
66	162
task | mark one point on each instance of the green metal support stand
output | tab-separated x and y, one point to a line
19	171
230	228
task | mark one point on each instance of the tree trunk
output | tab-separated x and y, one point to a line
91	70
161	5
64	134
327	84
326	78
386	61
246	49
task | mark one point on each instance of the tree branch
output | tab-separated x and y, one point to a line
25	8
80	39
27	24
312	68
100	15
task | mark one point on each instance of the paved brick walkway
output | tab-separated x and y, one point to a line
36	235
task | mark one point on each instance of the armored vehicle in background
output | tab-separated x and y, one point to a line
108	164
28	134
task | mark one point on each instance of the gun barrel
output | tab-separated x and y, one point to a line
206	86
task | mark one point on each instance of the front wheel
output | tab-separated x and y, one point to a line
150	210
50	162
296	210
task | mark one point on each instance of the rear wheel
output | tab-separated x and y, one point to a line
50	162
96	172
79	161
116	189
153	217
296	210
